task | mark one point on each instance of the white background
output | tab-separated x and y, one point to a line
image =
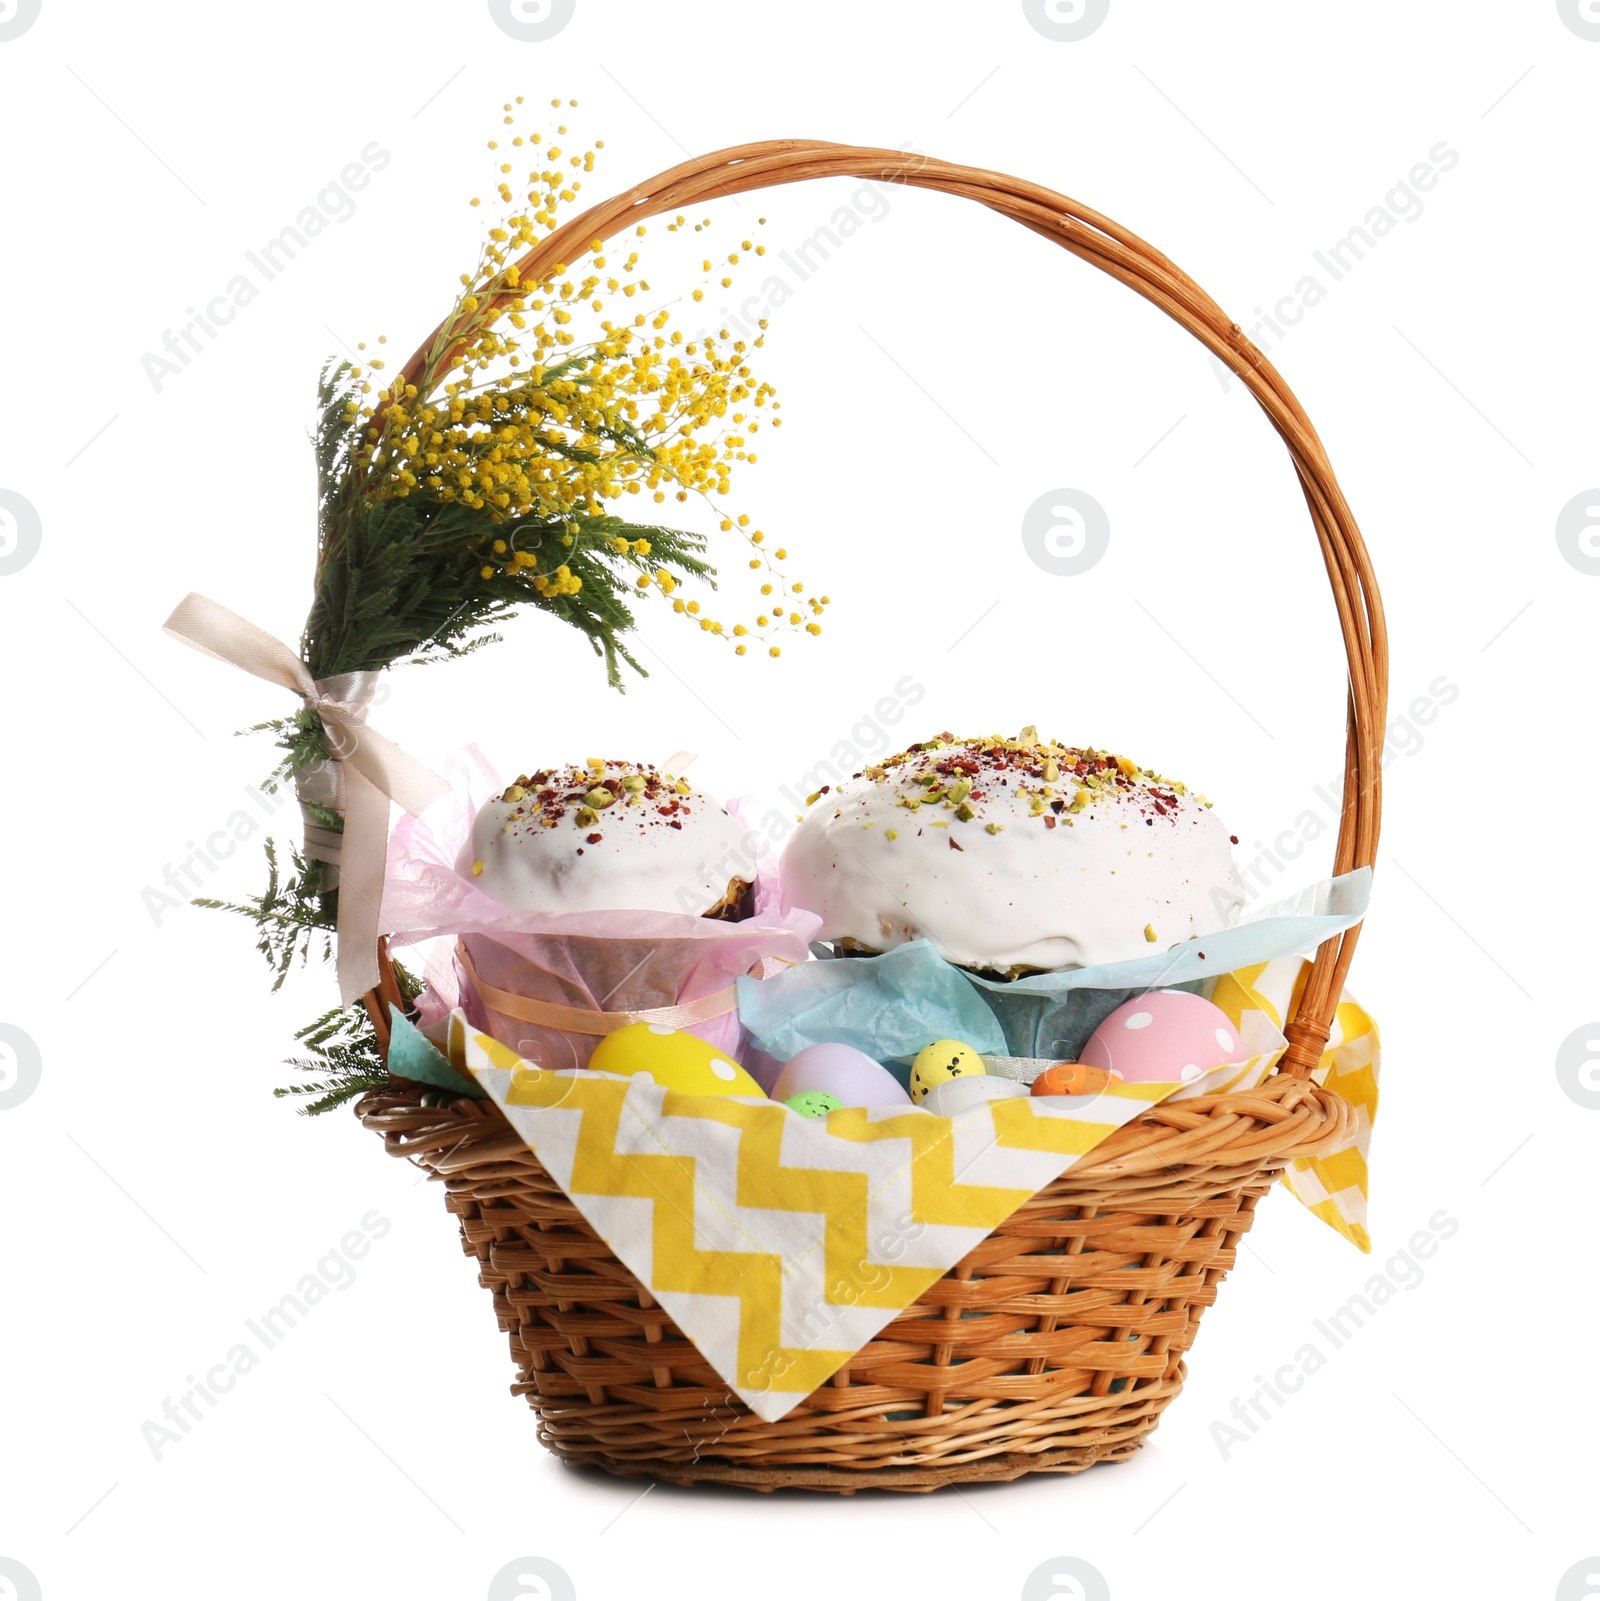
940	373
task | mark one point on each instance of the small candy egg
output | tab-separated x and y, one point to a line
675	1060
944	1059
1073	1078
842	1071
951	1096
813	1103
1166	1035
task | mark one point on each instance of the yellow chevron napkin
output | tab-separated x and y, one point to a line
781	1244
1334	1186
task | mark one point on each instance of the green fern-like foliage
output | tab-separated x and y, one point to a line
294	916
342	1049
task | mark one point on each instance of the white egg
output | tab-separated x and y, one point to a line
956	1095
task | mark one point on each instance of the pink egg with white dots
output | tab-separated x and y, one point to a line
1167	1036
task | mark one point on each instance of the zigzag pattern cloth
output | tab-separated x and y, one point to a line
1334	1186
782	1244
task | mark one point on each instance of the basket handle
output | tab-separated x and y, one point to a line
1127	258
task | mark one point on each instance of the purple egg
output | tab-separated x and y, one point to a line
842	1071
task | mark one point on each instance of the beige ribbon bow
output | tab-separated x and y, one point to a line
370	771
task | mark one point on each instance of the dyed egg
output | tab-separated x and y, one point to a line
1165	1035
1073	1078
813	1103
675	1060
952	1096
944	1059
851	1076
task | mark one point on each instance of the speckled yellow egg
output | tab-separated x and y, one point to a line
939	1063
675	1060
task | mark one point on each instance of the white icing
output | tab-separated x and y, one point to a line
1079	890
640	862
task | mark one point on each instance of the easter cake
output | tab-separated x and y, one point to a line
608	836
1012	856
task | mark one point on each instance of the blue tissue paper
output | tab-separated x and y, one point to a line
413	1055
889	1006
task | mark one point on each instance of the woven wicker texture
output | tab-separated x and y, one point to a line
1059	1341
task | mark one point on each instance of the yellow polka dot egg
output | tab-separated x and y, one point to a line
675	1060
939	1063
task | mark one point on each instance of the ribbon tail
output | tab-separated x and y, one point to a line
363	854
401	777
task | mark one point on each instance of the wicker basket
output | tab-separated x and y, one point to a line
1060	1340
